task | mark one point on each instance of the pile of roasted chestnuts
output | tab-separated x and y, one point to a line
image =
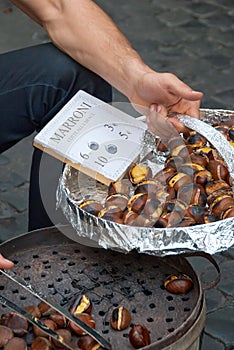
13	327
194	187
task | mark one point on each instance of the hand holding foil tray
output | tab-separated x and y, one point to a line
211	238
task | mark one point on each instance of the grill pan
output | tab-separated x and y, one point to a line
63	268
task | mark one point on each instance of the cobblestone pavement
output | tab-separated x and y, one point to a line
191	38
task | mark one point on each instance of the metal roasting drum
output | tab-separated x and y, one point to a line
62	268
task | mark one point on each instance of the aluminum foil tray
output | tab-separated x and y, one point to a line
90	230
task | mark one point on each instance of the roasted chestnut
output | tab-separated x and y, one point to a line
150	186
164	175
5	335
33	310
202	177
137	202
192	194
229	213
218	170
86	318
139	336
224	130
120	318
200	159
48	324
59	319
46	309
152	207
16	343
182	151
195	140
186	222
86	342
178	284
119	200
218	185
221	204
91	206
41	343
80	304
179	180
196	212
65	334
139	172
112	213
130	217
17	323
231	133
121	186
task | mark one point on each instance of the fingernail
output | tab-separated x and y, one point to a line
159	108
152	108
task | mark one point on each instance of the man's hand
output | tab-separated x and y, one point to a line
5	263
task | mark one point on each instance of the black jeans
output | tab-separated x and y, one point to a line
35	83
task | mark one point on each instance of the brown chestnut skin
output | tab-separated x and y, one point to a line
121	186
79	304
208	218
59	319
33	310
186	222
150	186
178	284
195	140
49	324
174	162
173	218
179	180
139	172
152	207
196	212
137	202
120	318
221	204
41	343
218	170
161	147
139	336
202	177
92	207
119	200
16	343
65	334
6	334
192	194
161	223
200	159
112	213
229	213
46	309
164	175
86	318
86	342
130	217
175	142
18	324
218	185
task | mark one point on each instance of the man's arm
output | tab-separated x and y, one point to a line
87	34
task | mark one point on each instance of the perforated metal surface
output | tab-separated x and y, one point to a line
62	268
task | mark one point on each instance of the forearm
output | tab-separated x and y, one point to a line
86	33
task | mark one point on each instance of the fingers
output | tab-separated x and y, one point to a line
182	90
5	263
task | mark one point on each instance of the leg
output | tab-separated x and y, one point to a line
34	84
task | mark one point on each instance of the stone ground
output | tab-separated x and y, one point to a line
191	38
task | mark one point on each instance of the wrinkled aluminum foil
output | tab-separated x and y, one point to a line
75	187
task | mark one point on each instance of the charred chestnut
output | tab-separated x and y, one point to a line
200	159
139	172
195	140
139	336
150	186
202	177
178	284
80	304
91	206
120	318
192	194
196	212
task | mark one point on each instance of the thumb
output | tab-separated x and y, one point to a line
183	90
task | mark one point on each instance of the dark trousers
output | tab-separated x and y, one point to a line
35	83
